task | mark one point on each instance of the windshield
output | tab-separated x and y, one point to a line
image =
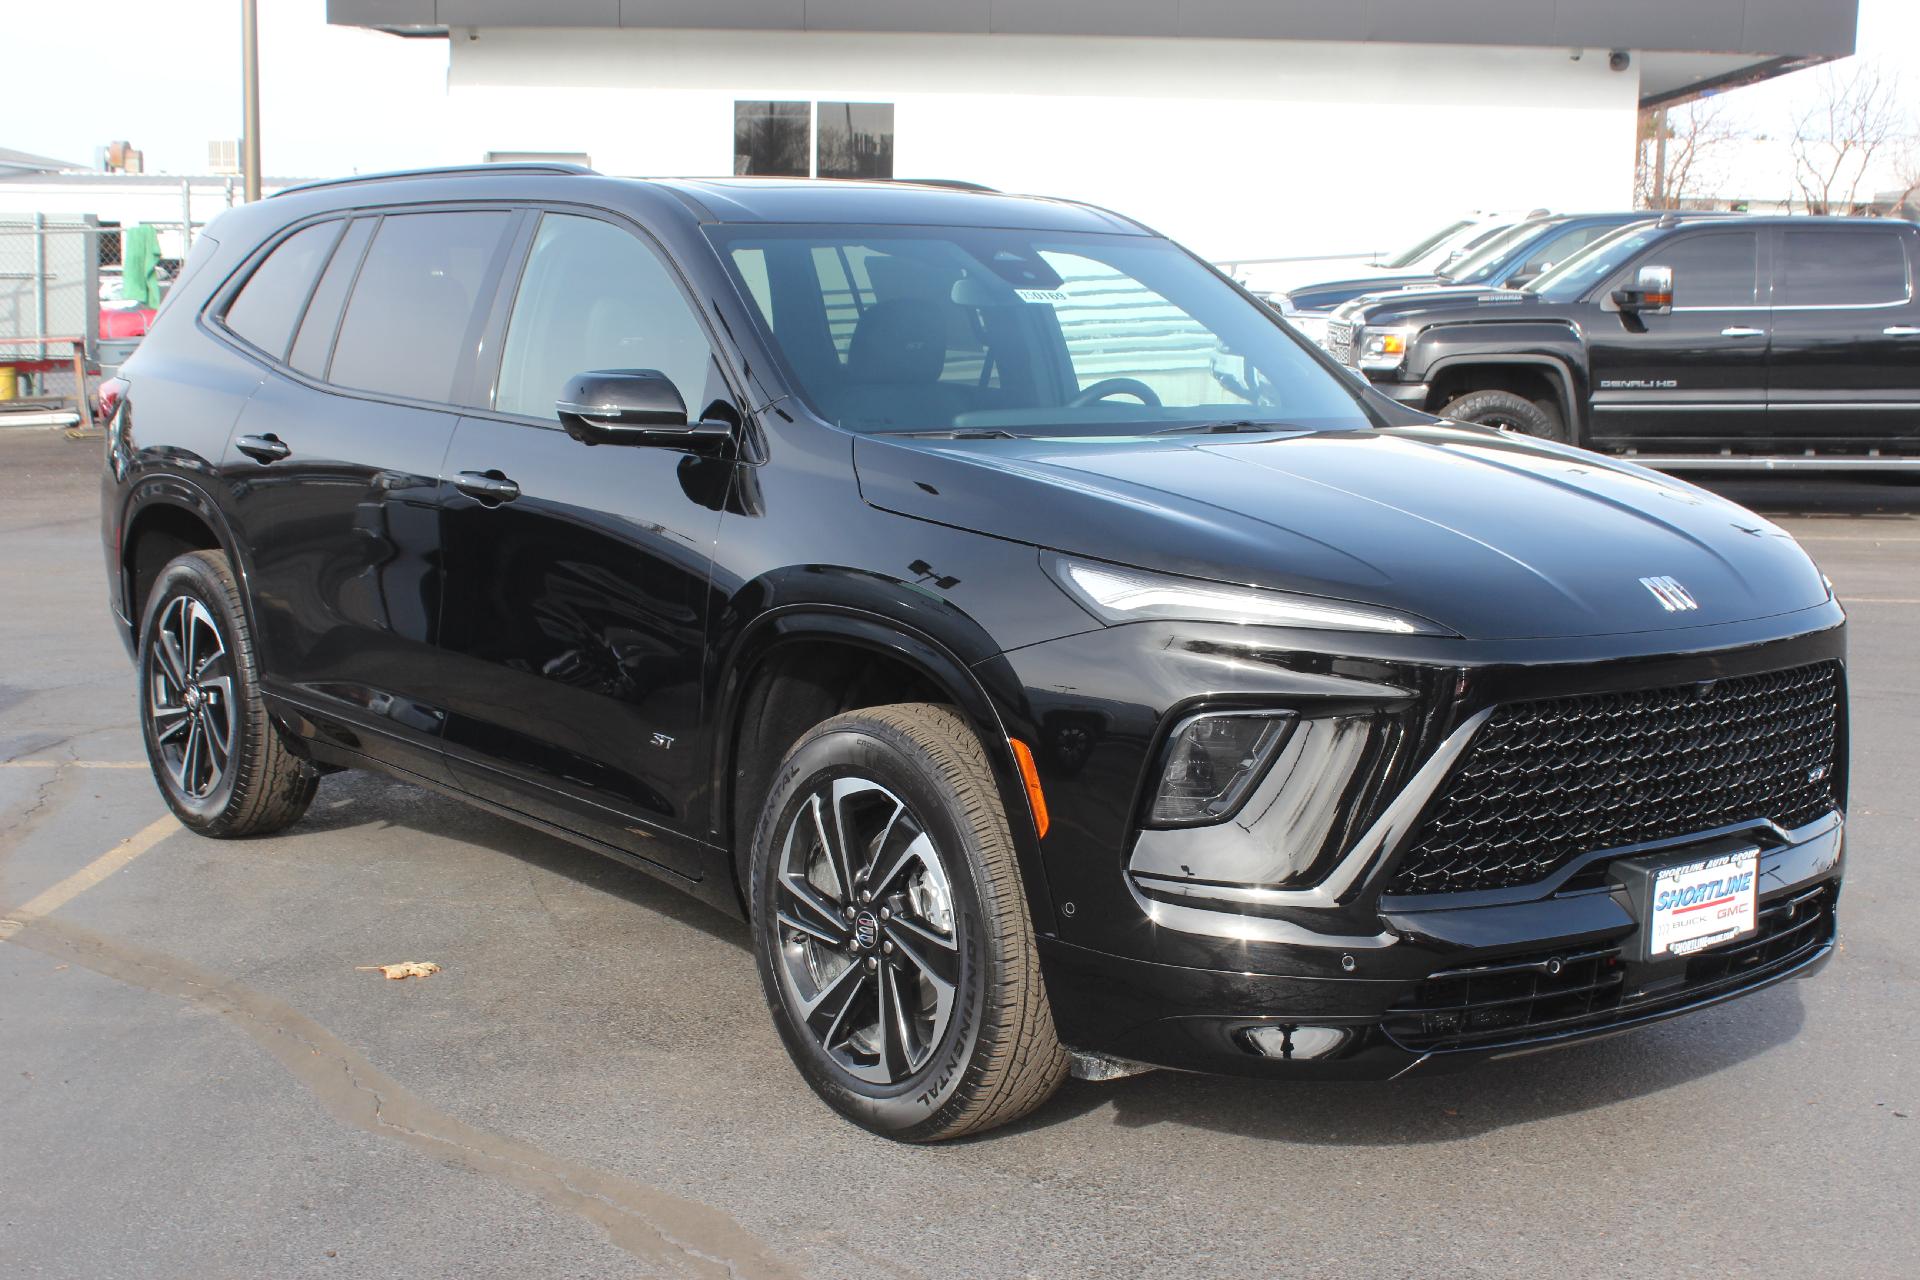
1569	281
1407	257
1478	265
893	329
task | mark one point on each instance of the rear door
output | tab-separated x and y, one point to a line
334	468
1845	364
577	601
1698	375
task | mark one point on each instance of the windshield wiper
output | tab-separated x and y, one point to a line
958	433
1228	427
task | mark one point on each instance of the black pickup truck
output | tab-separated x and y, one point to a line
1757	342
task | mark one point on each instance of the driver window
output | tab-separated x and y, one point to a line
1710	269
595	297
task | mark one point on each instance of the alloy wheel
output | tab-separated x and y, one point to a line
190	697
868	951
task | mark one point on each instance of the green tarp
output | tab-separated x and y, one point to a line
140	264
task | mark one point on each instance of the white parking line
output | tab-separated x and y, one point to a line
73	764
88	876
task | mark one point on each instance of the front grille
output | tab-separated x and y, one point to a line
1339	341
1547	781
1541	996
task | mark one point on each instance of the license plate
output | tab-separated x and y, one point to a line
1705	903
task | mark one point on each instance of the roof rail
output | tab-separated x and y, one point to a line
448	171
958	184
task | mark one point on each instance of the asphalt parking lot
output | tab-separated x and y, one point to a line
197	1079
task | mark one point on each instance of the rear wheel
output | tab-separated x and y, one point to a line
220	761
1508	411
891	928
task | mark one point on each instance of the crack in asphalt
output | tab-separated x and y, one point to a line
674	1232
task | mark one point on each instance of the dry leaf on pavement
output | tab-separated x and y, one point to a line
405	969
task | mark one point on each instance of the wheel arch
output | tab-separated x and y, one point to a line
919	665
1557	372
166	516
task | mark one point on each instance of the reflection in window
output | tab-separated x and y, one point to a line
770	138
855	140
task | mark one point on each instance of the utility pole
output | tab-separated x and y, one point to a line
250	96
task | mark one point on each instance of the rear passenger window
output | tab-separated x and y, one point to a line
1841	268
415	307
269	304
1718	269
315	340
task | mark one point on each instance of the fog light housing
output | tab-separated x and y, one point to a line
1211	762
1296	1042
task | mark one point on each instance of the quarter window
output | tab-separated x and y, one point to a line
594	297
1841	268
310	349
415	307
269	304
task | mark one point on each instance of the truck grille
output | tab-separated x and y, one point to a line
1339	341
1541	996
1547	781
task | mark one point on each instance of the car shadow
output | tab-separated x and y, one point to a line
1818	496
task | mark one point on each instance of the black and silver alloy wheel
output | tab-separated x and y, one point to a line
223	765
190	697
869	953
891	928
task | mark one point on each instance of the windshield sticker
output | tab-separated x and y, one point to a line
1041	295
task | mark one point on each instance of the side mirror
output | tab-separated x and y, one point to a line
1652	292
635	407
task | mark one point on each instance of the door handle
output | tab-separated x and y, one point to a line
487	486
263	449
1902	331
1742	331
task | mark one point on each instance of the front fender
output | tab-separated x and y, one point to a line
1553	347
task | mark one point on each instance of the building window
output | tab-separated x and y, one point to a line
770	138
855	140
807	139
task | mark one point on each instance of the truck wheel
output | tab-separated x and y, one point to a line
1509	412
221	763
891	929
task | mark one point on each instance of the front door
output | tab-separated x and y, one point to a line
577	577
1694	377
333	475
1845	367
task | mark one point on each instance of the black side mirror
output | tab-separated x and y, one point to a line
1652	292
633	406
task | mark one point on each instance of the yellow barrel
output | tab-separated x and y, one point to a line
9	382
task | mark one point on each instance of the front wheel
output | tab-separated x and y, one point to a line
219	758
1508	411
891	928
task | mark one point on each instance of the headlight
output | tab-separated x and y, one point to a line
1384	348
1211	762
1116	594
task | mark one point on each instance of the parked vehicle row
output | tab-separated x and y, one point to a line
1056	658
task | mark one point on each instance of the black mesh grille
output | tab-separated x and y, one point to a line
1539	997
1546	781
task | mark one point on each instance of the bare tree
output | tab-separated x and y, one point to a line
1681	152
1856	115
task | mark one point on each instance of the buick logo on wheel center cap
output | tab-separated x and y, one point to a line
866	930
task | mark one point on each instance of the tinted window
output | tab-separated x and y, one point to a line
1837	267
1718	269
594	297
414	305
770	138
1556	249
268	305
323	312
855	140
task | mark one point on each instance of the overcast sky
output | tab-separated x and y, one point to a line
166	77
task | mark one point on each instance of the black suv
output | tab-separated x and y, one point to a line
1057	660
1711	341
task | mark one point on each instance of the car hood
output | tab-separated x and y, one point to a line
1324	295
1398	305
1491	535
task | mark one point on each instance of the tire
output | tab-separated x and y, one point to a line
1509	412
908	791
219	759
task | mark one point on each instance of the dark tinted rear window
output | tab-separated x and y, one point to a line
268	305
323	312
1841	267
415	303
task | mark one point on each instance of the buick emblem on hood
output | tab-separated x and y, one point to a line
1673	597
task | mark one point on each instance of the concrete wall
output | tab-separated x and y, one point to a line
1239	148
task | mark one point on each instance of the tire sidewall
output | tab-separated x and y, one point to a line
194	576
1536	422
919	1104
